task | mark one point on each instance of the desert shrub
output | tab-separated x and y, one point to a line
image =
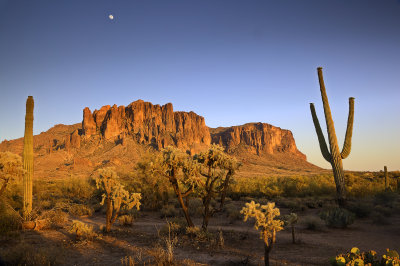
125	220
313	203
385	198
45	204
294	205
196	207
358	185
385	211
312	223
193	230
169	240
228	200
57	218
379	219
79	188
175	225
356	257
154	187
9	219
28	254
80	210
10	169
337	217
169	211
360	209
81	230
232	212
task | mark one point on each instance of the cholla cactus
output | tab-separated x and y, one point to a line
216	169
173	161
290	220
115	196
265	219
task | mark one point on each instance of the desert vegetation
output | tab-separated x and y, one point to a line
193	208
81	214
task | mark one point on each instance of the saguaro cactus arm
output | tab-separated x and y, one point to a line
321	139
328	116
349	131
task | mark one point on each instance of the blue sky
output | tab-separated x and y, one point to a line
230	61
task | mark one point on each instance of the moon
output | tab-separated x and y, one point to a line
111	16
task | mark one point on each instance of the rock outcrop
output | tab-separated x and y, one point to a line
151	124
257	137
75	139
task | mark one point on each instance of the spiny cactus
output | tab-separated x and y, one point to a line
356	257
216	169
115	196
334	156
28	158
387	183
290	220
266	220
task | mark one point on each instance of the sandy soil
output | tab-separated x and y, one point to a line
242	245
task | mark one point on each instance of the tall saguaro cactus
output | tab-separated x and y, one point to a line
333	155
28	158
387	184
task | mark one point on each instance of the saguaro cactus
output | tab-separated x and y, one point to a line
387	184
334	156
27	157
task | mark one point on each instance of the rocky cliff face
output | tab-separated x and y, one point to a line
151	124
259	138
160	126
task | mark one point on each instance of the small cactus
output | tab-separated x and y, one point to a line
290	220
27	157
265	216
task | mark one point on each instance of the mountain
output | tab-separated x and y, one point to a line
119	136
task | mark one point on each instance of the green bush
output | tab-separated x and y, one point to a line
337	217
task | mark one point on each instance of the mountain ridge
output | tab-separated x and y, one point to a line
119	136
